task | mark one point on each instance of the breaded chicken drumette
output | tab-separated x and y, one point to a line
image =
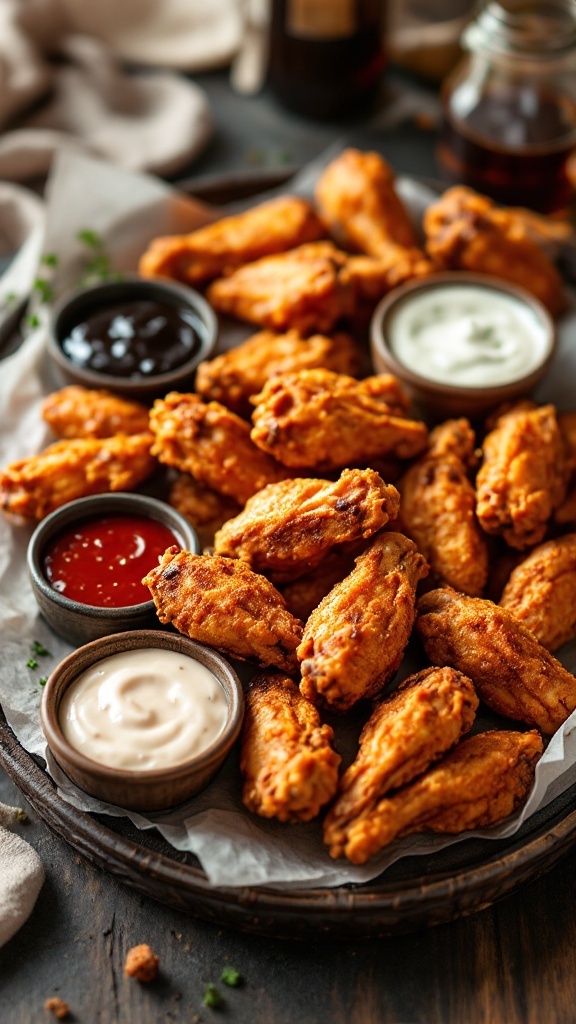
354	641
513	674
437	509
428	713
541	592
323	420
288	765
478	784
286	529
81	412
221	602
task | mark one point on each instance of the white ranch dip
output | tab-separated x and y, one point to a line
467	335
143	709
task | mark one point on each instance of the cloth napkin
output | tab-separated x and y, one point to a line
64	80
21	875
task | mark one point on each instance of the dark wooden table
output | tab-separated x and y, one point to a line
511	964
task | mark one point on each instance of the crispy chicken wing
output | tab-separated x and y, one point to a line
233	377
357	200
271	227
304	594
211	443
513	674
565	514
72	469
465	231
287	762
287	528
438	509
522	479
316	419
429	712
354	640
478	784
80	412
221	602
206	510
541	592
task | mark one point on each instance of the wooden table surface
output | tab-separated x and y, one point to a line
510	964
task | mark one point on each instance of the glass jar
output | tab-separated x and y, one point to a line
326	57
510	104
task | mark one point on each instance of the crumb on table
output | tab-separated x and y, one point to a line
141	963
58	1007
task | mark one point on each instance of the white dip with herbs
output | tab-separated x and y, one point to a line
467	335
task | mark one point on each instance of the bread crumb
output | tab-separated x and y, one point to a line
141	963
58	1007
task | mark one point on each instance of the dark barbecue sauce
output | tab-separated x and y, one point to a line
139	338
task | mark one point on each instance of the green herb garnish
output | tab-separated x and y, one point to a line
43	681
39	649
33	320
89	237
231	977
50	259
44	289
31	663
213	998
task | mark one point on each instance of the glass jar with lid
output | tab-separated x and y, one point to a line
510	104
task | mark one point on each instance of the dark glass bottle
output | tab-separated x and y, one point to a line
325	56
510	105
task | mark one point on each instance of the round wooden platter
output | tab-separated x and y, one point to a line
414	893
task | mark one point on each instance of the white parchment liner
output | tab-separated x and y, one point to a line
235	848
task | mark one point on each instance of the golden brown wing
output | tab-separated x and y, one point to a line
286	529
541	592
211	443
80	412
270	227
66	470
223	603
406	733
437	509
354	640
478	784
511	671
304	594
287	762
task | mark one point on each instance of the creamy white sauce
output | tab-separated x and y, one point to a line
467	335
143	709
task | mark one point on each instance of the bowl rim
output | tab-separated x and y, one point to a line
84	507
141	639
384	309
175	289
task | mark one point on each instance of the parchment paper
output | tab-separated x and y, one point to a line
234	847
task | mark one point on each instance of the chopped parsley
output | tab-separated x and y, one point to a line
31	663
89	238
44	289
43	681
39	649
33	320
231	977
213	998
50	259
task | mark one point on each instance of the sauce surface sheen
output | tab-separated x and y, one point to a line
143	709
101	562
467	335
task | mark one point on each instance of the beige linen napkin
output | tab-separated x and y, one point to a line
62	80
21	876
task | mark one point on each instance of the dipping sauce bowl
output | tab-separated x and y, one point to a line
136	337
142	709
87	558
462	343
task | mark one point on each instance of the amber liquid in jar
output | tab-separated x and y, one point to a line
515	152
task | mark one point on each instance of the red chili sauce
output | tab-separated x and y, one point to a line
102	561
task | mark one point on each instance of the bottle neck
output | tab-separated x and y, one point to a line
533	32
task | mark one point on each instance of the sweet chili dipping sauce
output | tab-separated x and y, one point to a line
102	561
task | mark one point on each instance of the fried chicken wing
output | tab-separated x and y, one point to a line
270	227
221	602
354	641
206	510
357	200
565	513
478	784
541	592
211	443
233	377
304	594
316	419
286	529
75	411
521	480
71	469
429	712
438	509
465	231
287	762
513	674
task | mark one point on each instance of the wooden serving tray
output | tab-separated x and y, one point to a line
415	892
